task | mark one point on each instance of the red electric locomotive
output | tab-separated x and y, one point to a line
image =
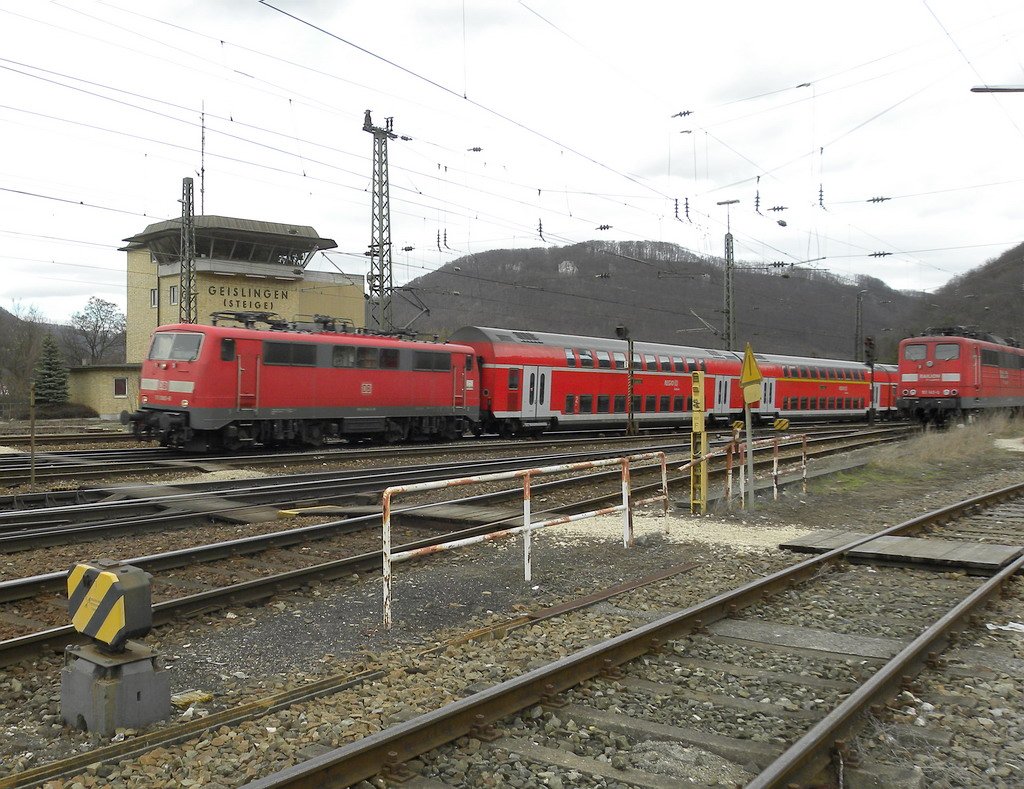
206	387
534	381
957	371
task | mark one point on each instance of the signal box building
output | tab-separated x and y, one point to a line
241	266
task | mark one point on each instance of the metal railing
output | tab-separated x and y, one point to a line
528	527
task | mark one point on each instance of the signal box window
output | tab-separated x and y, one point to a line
343	356
172	294
227	350
586	358
650	402
620	360
946	351
586	404
570	357
915	353
620	401
603	404
604	359
389	358
120	387
154	297
513	379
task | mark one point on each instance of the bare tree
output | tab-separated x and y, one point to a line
97	329
21	336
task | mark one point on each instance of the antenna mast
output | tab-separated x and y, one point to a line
380	276
202	160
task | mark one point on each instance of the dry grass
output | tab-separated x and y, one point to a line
960	444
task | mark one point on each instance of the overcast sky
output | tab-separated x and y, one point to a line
571	103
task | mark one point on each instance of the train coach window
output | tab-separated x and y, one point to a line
586	357
831	403
366	358
650	403
389	358
650	361
620	404
821	403
664	403
946	351
603	404
803	403
586	404
343	356
620	360
677	403
469	363
849	403
570	357
666	364
915	353
638	363
636	403
227	349
570	404
175	346
513	379
679	364
604	359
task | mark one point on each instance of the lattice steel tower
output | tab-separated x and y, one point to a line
380	276
729	297
187	308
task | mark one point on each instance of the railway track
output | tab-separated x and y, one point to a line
91	464
256	589
587	720
737	660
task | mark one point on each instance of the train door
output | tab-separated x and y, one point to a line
536	392
247	372
458	381
721	405
767	405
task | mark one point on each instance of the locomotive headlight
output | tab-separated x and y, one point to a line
954	391
906	392
913	392
945	392
184	403
145	398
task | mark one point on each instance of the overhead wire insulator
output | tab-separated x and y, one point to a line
677	210
757	196
779	208
878	199
686	208
446	239
604	227
683	113
475	149
880	254
821	196
439	241
540	229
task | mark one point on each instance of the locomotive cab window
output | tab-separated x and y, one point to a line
227	349
175	346
469	363
947	351
915	353
436	360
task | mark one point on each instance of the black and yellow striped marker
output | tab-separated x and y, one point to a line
782	424
110	602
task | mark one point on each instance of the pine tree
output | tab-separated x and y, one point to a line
51	376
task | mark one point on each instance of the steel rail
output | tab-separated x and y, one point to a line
371	755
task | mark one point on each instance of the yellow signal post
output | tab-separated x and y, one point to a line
750	383
698	449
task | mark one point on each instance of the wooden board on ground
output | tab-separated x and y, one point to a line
926	551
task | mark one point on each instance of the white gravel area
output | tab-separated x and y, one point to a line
9	451
707	530
218	476
1012	444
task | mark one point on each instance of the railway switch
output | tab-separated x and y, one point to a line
111	682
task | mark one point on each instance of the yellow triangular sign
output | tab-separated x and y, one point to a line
750	378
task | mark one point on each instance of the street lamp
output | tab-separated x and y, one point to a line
623	334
